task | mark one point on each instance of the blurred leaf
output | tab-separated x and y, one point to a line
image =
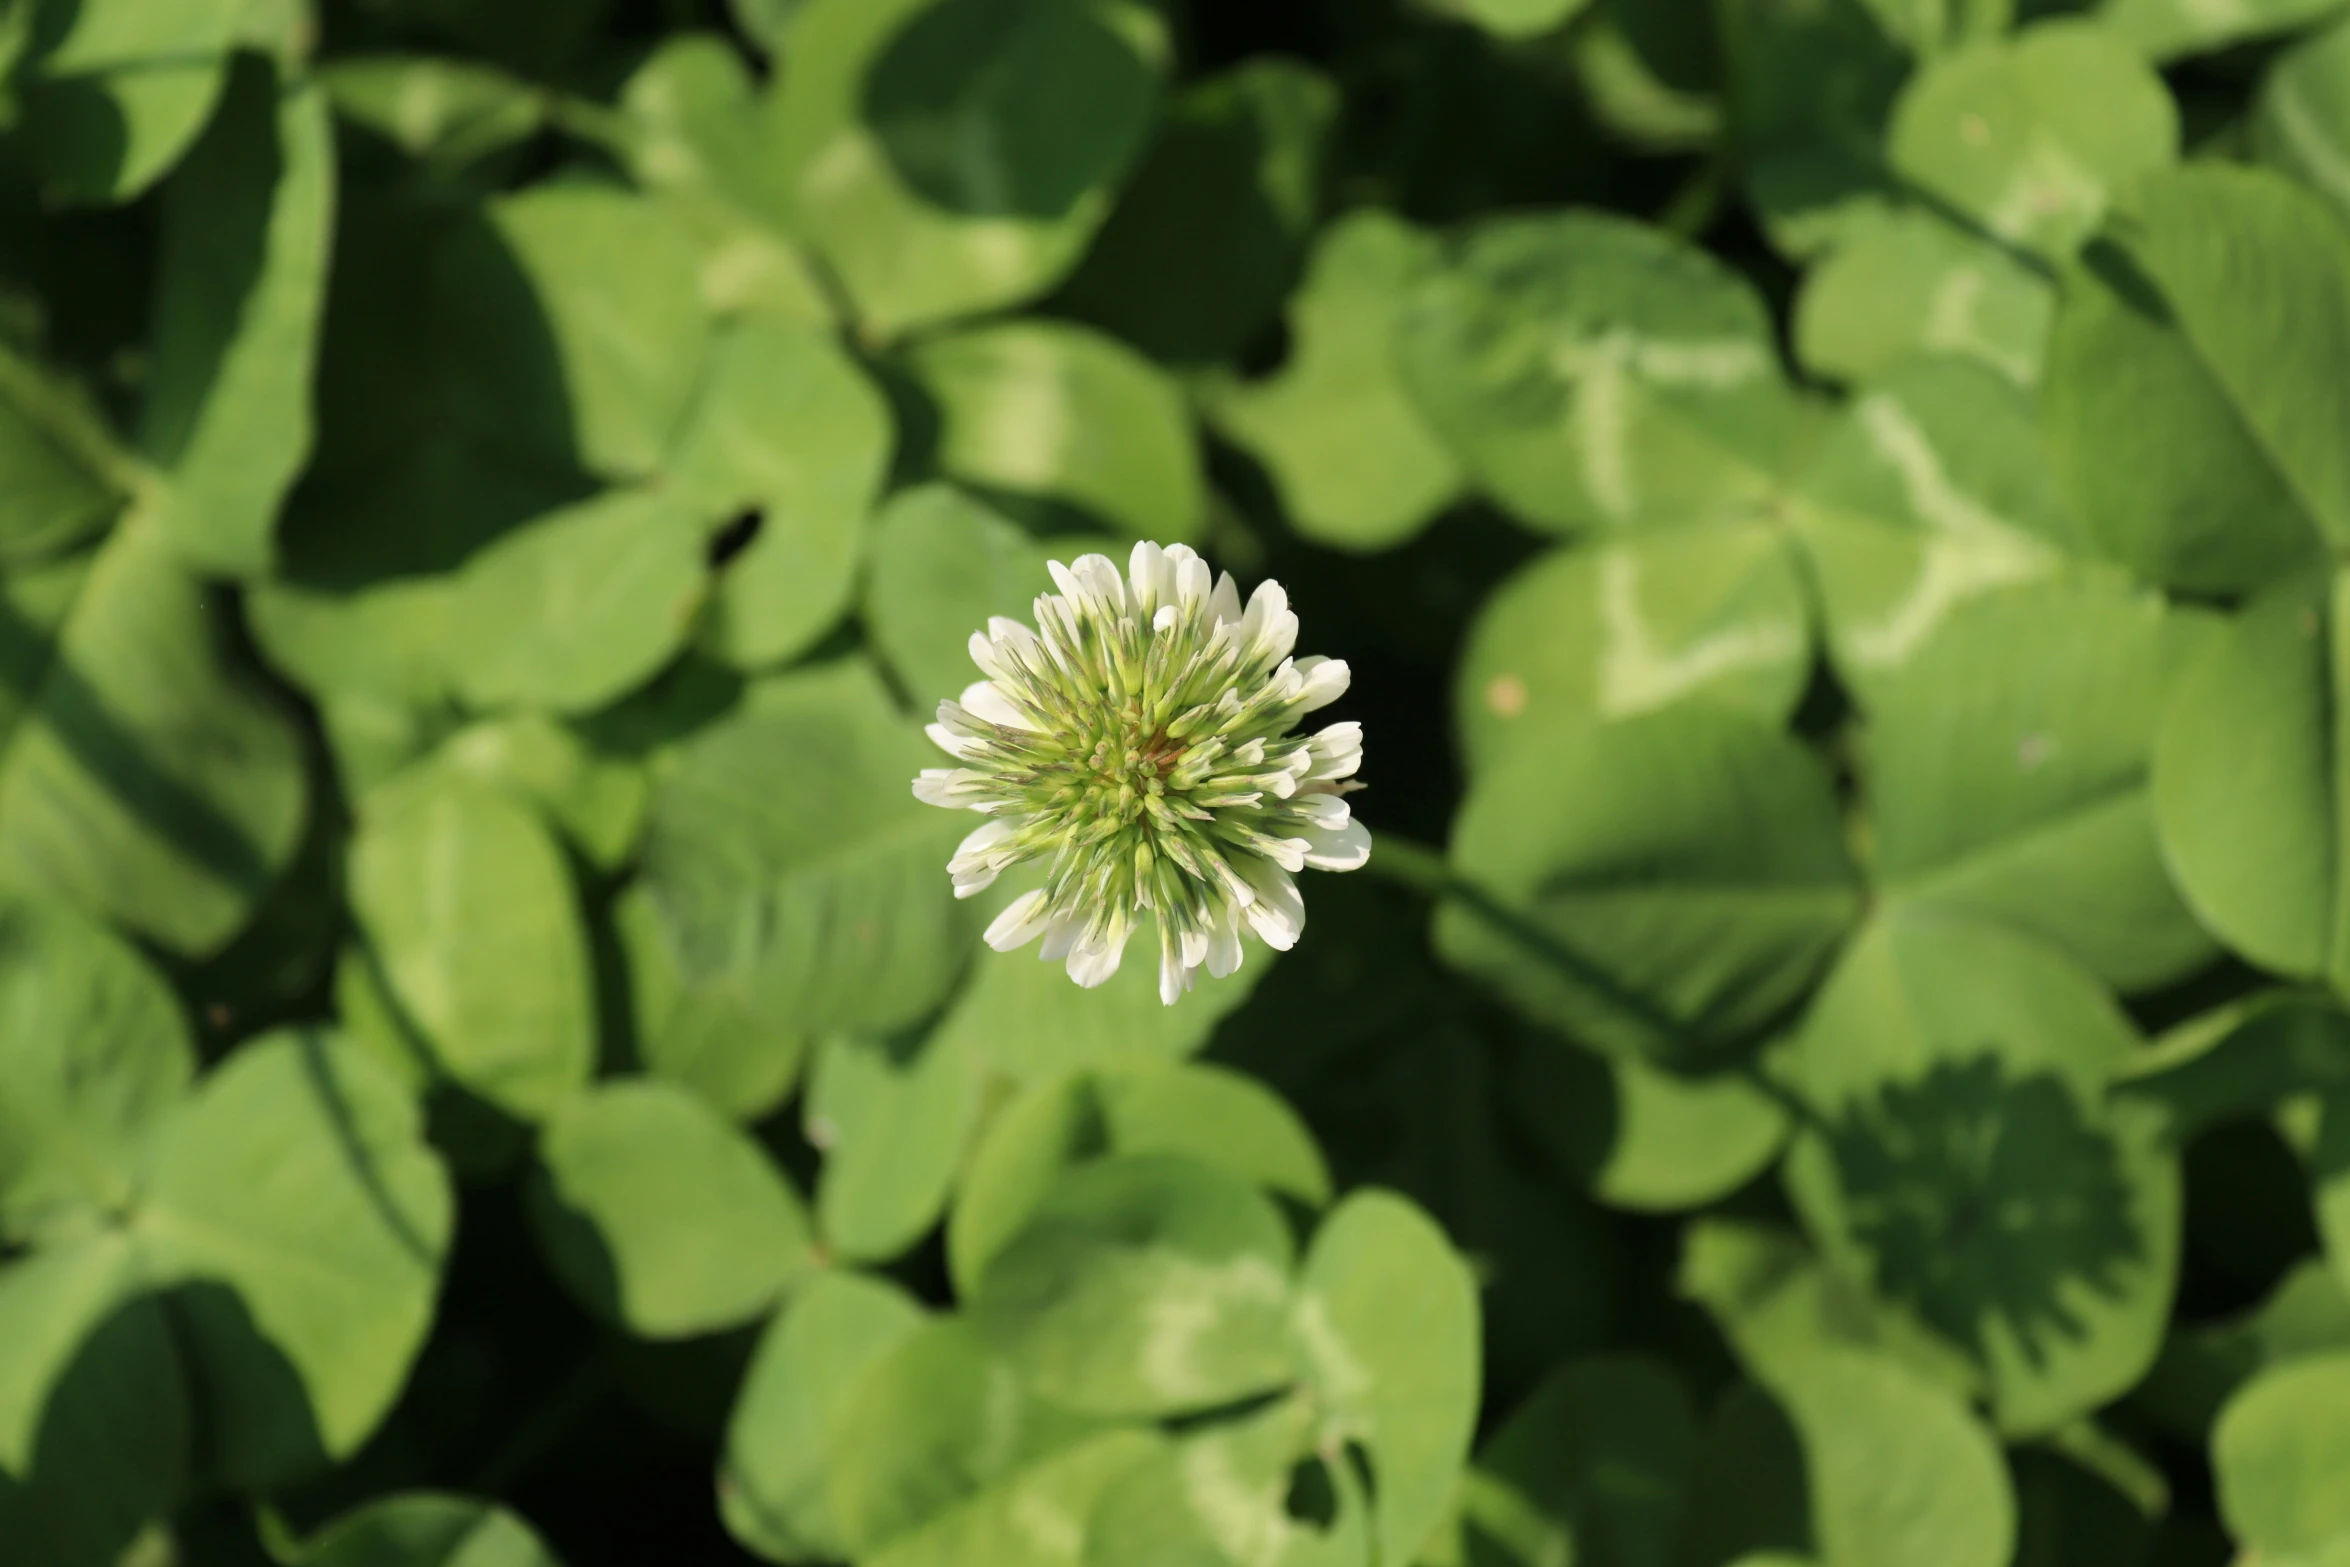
772	1484
767	22
574	609
463	895
1929	491
1911	282
1672	883
595	798
1650	73
1899	1471
2191	386
893	1115
620	287
1591	372
93	1409
819	891
694	110
2308	1313
115	93
1207	235
708	1036
951	156
660	1216
295	1206
1043	1513
1143	1284
97	1053
1024	1019
943	565
2275	1450
2245	788
1201	1112
1964	1157
2030	136
147	776
1816	80
1387	1326
2301	117
1221	1494
1509	18
447	113
2166	29
2008	765
787	433
1779	1304
1592	1467
65	477
1712	613
936	1422
1353	458
426	1529
2241	1060
247	226
1052	412
1639	1136
1207	1112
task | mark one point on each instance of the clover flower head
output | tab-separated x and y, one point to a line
1138	743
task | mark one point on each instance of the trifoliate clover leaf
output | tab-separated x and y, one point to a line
1137	744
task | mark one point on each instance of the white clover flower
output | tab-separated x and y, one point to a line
1138	741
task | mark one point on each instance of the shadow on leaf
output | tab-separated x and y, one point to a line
1979	1196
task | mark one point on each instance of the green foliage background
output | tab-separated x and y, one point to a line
1834	508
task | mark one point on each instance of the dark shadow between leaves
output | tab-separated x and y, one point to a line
444	416
251	1410
960	105
110	1455
1980	1196
215	265
1756	1481
318	1071
575	1249
33	671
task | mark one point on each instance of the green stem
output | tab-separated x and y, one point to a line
1423	870
71	425
554	1420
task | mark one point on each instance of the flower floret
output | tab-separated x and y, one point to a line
1136	743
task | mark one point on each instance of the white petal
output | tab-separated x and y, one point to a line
1010	635
1265	606
1167	615
1225	601
1174	974
1343	850
1194	583
1065	579
1022	921
956	788
1323	812
1100	585
1150	579
1224	943
1279	914
971	882
1092	965
1195	947
950	742
985	699
1337	751
981	839
984	654
1326	680
1061	936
